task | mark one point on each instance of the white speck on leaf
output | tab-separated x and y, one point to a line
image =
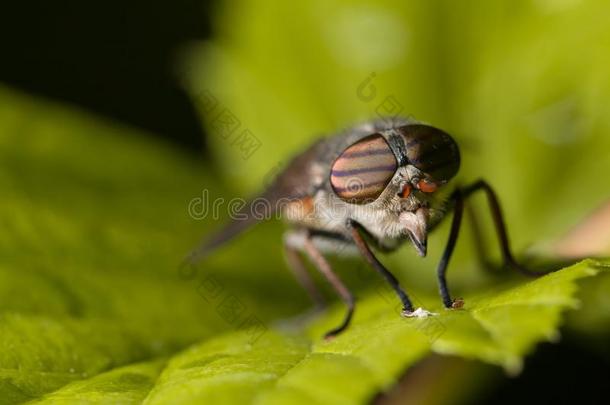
418	313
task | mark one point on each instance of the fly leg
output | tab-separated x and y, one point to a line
365	251
481	246
498	219
324	267
296	265
458	209
457	199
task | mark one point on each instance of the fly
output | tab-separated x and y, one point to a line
378	184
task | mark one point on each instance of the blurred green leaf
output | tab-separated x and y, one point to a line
123	385
93	221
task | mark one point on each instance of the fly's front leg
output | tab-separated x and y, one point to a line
365	251
458	210
457	199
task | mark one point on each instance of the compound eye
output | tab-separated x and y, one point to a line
361	173
432	151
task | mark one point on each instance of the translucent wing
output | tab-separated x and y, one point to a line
294	182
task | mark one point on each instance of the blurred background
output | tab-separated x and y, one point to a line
235	87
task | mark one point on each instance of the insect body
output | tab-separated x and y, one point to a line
377	184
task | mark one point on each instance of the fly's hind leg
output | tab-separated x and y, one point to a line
296	265
305	241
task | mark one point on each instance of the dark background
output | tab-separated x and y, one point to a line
115	59
111	57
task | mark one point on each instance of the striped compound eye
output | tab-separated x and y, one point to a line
433	152
362	171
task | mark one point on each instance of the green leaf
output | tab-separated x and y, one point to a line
123	385
498	327
93	221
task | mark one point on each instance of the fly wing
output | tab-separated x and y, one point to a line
293	182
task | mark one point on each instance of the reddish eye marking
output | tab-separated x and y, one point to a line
406	191
426	186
